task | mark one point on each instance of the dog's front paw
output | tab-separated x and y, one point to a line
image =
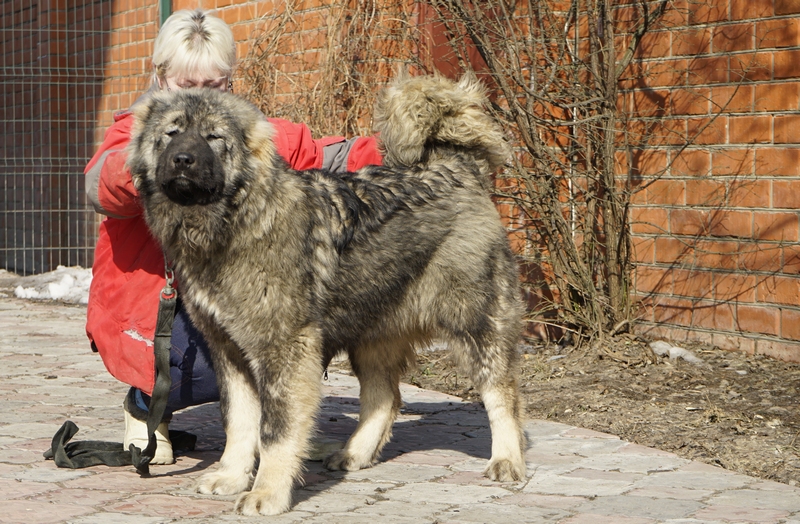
344	461
256	503
223	483
504	470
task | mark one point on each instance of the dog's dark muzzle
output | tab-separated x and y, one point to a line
189	172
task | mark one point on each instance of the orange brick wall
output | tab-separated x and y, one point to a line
132	27
129	47
135	25
716	237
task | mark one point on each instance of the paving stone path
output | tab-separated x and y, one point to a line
430	472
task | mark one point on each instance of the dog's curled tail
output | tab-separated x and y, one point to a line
427	117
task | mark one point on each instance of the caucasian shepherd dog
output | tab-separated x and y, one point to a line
281	270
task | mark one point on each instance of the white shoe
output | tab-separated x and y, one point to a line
136	434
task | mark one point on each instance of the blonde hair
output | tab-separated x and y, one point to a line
194	42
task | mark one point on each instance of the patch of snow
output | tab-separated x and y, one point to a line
65	284
662	348
25	292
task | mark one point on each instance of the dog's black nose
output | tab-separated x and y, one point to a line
183	160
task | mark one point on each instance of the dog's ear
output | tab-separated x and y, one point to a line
139	116
143	112
259	140
145	109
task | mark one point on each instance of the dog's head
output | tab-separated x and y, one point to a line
196	147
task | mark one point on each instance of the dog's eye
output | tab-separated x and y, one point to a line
172	132
212	136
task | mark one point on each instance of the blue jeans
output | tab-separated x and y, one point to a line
193	378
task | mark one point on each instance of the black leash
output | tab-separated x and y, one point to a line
84	454
92	452
158	400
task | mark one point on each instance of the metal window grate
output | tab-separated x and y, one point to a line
59	90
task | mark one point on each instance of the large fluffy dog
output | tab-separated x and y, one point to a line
281	270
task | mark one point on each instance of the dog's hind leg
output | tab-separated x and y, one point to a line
493	370
502	403
290	392
378	369
484	335
491	357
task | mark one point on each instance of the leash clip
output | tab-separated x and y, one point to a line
168	292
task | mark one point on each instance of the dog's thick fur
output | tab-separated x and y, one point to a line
281	270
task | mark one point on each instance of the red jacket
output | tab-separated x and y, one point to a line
128	270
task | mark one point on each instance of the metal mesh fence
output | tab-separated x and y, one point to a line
60	83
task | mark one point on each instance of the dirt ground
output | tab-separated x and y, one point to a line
734	410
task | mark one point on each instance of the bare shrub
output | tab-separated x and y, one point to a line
324	66
556	69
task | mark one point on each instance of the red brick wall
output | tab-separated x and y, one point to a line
129	66
133	26
716	237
